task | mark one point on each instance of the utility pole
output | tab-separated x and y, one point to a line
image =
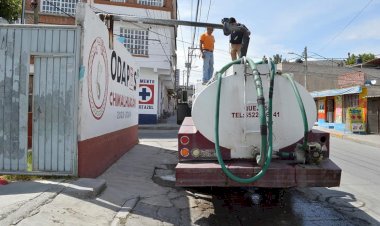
34	4
305	56
188	64
23	12
183	78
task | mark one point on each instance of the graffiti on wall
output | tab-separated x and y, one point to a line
355	119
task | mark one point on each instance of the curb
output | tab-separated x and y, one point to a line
85	188
341	136
122	215
348	137
369	143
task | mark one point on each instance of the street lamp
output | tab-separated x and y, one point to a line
305	58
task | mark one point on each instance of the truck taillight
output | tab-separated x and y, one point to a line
184	140
195	152
184	152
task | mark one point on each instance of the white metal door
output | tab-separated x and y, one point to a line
54	131
54	51
13	101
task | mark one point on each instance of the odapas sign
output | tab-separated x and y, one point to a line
110	80
98	80
108	104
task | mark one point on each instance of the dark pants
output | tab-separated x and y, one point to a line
244	46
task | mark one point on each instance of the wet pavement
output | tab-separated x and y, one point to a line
140	191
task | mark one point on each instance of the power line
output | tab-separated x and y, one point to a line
200	10
208	11
167	57
136	24
348	68
166	36
183	44
345	68
348	24
196	20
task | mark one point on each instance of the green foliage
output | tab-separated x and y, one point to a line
365	57
265	59
15	177
10	9
29	161
277	58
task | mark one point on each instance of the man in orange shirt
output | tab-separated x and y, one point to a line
206	45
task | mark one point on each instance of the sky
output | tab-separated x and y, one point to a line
329	29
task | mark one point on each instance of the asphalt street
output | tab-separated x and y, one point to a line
140	191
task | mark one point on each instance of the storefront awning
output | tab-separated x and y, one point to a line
336	92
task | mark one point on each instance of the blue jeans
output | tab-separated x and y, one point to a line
208	65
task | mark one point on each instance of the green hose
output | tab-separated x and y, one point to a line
261	109
302	108
263	125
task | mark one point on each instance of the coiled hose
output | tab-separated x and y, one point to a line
302	109
264	128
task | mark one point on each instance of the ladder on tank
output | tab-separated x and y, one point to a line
247	102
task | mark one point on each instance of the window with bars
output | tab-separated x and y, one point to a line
59	6
151	2
136	41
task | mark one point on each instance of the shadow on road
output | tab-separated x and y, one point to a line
130	178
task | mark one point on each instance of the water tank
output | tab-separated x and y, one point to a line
239	126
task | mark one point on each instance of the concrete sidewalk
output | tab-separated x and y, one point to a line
134	190
130	186
368	139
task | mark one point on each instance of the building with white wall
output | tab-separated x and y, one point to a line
153	48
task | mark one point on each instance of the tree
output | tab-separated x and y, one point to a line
10	9
277	58
265	59
365	57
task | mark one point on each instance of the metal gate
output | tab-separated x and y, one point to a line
374	115
50	56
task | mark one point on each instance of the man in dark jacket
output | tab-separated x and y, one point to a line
239	37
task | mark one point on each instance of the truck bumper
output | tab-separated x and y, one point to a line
280	174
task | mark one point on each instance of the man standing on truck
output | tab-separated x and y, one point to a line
239	37
206	45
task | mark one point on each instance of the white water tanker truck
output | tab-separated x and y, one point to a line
252	127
